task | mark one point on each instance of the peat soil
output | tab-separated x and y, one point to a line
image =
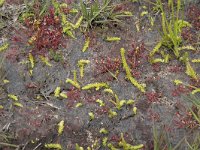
162	107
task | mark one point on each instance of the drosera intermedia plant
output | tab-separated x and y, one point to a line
171	38
127	146
74	82
100	12
171	30
61	127
53	146
118	103
81	65
141	87
96	86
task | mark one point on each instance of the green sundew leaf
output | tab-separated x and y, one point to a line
78	23
177	82
81	64
185	57
78	105
137	147
2	2
1	107
128	13
109	91
61	127
57	6
196	91
103	131
86	45
127	146
134	110
79	147
143	13
96	85
5	81
63	95
189	47
166	58
101	103
53	146
111	39
88	148
91	114
73	10
190	71
164	24
31	72
68	32
196	60
111	147
104	141
17	104
81	71
25	16
152	20
4	47
14	97
128	72
64	5
121	104
31	59
183	24
130	102
45	60
112	114
57	92
156	49
156	60
75	75
75	84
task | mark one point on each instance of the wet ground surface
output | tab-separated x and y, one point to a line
162	106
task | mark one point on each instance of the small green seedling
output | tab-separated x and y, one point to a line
101	103
78	105
112	113
13	97
81	65
96	86
61	127
57	92
79	147
86	45
103	131
17	104
53	146
104	141
111	39
91	114
127	146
